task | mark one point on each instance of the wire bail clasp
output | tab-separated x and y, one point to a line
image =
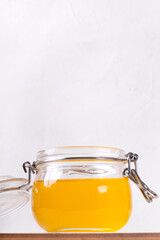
28	167
26	186
148	194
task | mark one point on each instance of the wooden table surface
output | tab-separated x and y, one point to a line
82	236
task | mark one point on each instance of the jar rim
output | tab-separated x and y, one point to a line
67	153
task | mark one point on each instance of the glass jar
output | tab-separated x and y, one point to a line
80	190
83	189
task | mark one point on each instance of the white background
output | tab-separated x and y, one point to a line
81	72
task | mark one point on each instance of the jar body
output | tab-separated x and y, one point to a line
81	196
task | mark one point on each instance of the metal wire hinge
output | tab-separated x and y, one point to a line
148	194
27	168
31	169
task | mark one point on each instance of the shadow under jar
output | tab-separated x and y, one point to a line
82	189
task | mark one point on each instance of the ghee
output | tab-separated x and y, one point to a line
82	205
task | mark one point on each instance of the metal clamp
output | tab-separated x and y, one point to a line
27	168
148	194
31	169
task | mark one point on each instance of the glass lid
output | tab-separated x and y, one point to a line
11	200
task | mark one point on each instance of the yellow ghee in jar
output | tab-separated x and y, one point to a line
82	205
